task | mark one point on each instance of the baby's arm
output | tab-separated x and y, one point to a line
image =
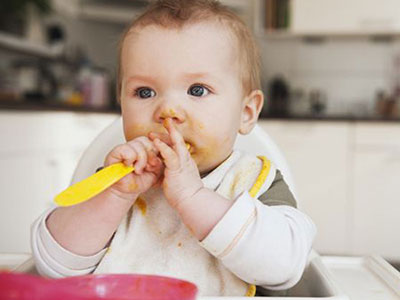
262	244
86	228
265	241
199	208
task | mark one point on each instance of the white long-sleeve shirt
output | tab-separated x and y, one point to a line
264	241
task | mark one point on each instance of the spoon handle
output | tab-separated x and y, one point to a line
93	185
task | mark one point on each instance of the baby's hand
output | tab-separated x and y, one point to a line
142	154
181	176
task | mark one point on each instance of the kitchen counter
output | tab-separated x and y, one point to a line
48	106
346	118
32	106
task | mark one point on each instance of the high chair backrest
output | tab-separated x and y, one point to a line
257	142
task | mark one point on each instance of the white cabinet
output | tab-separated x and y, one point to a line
26	188
38	155
334	17
376	190
317	153
347	177
344	16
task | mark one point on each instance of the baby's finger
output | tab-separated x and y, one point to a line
151	158
159	168
176	138
147	143
171	160
161	136
141	160
121	153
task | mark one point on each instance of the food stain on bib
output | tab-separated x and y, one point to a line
141	204
240	181
234	185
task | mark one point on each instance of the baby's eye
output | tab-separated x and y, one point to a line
198	90
144	92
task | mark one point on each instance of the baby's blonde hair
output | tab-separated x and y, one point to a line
177	13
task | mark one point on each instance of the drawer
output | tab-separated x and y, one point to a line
377	134
41	131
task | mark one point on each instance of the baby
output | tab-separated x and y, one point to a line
194	208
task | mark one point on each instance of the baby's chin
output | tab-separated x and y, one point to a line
206	166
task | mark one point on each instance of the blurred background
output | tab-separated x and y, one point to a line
330	73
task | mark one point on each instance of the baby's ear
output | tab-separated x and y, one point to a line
251	108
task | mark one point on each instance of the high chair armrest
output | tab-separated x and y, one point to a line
27	266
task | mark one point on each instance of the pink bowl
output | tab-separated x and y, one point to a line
89	287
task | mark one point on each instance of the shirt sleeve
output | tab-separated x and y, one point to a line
52	260
265	244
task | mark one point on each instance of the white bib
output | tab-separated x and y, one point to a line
151	239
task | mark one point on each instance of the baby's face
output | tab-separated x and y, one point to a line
189	75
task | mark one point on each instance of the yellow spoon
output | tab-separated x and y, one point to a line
93	185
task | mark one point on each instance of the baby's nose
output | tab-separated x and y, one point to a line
177	115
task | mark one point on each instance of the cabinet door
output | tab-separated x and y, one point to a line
376	190
50	131
317	153
342	16
26	190
38	156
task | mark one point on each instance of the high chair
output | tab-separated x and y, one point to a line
335	278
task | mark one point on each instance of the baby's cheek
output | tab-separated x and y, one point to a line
137	129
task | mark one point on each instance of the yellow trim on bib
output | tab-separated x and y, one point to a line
266	167
251	291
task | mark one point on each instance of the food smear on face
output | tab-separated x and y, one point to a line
200	125
170	113
189	148
136	130
211	150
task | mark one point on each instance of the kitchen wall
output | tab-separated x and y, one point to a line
349	69
99	40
